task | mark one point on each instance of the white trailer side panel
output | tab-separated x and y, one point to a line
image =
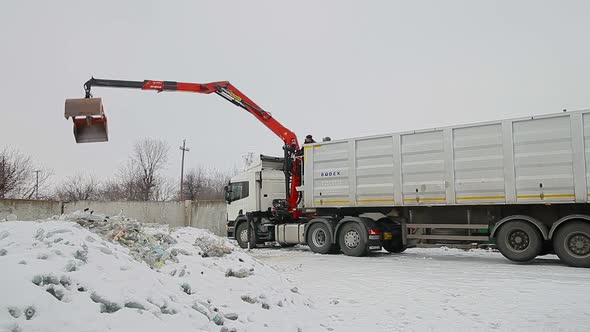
423	168
331	174
544	159
479	164
375	171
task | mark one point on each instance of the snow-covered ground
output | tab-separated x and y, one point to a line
59	276
438	289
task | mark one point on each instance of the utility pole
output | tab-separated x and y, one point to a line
3	178
37	185
184	149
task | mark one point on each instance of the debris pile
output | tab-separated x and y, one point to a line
150	247
213	246
124	275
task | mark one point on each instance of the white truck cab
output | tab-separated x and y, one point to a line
255	188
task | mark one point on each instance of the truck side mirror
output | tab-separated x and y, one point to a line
227	192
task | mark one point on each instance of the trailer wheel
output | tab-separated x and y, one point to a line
242	235
319	238
351	240
572	243
519	241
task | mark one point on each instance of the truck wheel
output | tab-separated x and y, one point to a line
242	235
572	243
519	241
351	239
319	239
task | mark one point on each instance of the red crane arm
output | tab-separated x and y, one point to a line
222	88
236	97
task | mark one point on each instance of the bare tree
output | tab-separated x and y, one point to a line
194	183
213	183
128	184
140	178
201	183
36	185
149	156
112	190
15	170
18	175
165	190
248	159
79	187
218	180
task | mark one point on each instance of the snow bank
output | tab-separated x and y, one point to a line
88	273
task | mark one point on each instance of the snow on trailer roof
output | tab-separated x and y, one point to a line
466	125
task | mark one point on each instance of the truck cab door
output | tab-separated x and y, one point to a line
236	196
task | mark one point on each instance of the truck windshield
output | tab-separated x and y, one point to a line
237	190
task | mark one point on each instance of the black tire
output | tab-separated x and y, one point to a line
319	238
571	243
242	235
519	241
352	240
394	247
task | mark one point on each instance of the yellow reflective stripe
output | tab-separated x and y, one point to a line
331	201
426	199
308	146
368	200
481	197
545	195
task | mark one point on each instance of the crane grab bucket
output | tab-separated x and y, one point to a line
90	123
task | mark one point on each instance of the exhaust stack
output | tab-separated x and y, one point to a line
90	123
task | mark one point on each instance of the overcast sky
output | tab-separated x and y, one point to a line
329	68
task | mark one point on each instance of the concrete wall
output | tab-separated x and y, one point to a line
209	215
29	209
171	213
